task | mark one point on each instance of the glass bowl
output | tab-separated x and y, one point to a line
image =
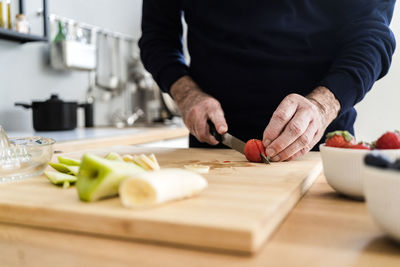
26	157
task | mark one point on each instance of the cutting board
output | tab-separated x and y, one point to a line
242	206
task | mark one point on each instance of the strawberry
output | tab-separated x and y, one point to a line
389	140
342	139
360	146
252	150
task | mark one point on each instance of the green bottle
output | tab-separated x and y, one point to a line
61	36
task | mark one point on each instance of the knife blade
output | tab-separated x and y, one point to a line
231	141
227	139
265	159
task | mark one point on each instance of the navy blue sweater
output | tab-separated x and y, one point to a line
251	54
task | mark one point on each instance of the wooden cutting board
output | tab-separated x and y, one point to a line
239	210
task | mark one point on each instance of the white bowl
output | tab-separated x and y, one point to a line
343	168
382	194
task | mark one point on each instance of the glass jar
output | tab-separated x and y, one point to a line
21	24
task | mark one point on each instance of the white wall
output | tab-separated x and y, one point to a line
380	110
24	71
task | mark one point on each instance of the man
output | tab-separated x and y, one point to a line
286	71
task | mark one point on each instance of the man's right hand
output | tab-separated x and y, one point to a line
196	107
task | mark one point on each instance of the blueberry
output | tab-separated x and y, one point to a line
395	165
377	160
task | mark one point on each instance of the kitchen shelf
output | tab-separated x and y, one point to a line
10	35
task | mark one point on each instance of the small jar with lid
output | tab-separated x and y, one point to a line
21	24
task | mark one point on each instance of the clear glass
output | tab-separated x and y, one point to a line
26	157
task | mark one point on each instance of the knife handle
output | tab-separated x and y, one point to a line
214	132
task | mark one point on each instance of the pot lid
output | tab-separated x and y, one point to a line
54	99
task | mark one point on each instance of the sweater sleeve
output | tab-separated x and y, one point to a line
366	46
161	46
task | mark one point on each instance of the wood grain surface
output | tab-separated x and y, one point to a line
323	230
242	206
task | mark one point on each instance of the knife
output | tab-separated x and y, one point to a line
231	141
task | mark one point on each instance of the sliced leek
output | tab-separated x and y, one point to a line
152	188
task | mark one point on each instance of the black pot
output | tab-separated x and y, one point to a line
57	115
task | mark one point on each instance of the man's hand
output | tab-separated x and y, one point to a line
196	107
299	123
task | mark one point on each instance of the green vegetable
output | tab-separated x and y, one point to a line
113	156
63	168
99	177
58	178
66	184
68	161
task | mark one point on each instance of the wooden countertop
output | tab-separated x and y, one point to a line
141	136
324	229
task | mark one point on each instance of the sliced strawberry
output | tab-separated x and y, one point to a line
389	140
342	139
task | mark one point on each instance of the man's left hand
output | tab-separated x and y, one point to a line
299	123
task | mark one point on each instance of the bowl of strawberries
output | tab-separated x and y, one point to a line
342	159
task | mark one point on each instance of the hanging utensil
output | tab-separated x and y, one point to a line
105	74
114	79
